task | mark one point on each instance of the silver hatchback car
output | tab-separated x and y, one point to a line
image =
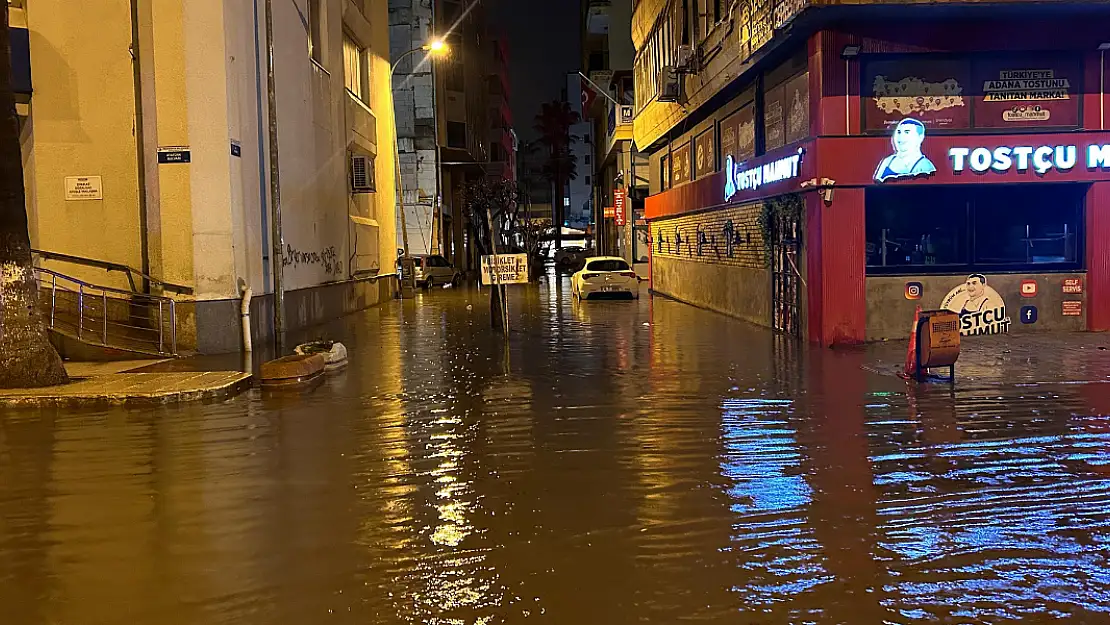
432	270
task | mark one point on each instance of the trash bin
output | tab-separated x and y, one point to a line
938	342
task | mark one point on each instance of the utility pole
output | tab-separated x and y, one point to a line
276	256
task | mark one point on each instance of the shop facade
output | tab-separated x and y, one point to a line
858	175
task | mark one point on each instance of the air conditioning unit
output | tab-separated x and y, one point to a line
684	58
670	85
362	174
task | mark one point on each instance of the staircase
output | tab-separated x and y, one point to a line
90	322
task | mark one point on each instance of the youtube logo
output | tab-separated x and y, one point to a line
1028	288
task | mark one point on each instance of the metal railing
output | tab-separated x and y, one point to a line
117	267
110	317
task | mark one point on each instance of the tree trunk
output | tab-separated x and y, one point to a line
27	359
497	307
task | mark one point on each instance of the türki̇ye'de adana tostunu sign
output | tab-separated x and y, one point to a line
505	269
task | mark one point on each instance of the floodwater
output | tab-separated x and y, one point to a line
609	463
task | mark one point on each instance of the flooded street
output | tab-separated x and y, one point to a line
608	463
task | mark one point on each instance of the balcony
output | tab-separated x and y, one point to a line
597	17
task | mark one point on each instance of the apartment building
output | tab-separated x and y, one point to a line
824	170
146	143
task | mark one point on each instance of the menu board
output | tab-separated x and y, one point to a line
1033	90
705	154
738	134
934	91
797	108
774	114
680	165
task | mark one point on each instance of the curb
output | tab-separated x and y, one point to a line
99	400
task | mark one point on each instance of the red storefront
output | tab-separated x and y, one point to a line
934	174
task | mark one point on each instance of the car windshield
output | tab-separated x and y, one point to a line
607	265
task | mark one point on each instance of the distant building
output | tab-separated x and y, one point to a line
163	164
443	119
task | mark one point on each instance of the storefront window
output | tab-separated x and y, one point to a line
990	228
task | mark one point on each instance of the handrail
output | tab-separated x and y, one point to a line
90	299
110	266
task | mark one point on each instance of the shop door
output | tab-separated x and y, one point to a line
786	292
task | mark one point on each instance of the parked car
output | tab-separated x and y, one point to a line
605	276
573	257
432	270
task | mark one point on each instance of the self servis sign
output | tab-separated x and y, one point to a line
1023	158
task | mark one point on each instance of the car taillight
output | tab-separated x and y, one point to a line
628	274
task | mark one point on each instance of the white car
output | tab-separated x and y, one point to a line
605	276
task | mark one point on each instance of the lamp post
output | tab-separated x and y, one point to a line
439	47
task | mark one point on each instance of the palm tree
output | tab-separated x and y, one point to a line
27	359
553	125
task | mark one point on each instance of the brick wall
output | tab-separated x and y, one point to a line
712	228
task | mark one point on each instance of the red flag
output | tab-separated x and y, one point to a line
588	97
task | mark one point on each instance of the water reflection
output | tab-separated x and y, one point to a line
612	462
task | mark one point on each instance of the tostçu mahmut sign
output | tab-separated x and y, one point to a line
742	177
1023	158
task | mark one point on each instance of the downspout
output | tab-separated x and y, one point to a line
275	187
263	200
140	148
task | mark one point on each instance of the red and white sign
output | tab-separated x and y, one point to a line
1073	286
1073	309
610	212
618	207
1028	288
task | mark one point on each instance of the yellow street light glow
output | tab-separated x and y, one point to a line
438	46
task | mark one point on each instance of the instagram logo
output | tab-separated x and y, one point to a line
913	290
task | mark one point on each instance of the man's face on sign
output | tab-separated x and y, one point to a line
908	137
975	287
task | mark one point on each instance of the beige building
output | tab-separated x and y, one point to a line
164	164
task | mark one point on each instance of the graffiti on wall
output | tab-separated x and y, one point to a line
327	258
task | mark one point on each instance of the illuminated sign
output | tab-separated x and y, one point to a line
907	161
1041	159
740	177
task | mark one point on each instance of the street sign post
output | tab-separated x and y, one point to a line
510	269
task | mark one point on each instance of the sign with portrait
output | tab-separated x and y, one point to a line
680	165
1034	90
934	91
982	310
797	108
774	115
705	154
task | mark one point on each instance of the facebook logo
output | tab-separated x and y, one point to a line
1028	314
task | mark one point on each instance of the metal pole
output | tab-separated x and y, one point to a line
140	148
276	259
80	309
104	306
173	327
161	328
53	297
397	155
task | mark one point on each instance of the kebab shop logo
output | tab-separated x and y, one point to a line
982	310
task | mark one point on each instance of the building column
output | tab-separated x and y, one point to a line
1098	256
836	259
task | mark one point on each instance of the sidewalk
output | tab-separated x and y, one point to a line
126	383
1028	358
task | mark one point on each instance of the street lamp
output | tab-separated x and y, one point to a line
437	47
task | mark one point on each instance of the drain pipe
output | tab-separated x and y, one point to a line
275	188
245	315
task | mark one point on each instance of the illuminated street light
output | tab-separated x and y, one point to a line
435	47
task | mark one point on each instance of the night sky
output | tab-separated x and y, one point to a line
544	46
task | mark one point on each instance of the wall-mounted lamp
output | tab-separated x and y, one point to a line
1102	48
848	53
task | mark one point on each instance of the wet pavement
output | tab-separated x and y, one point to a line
608	463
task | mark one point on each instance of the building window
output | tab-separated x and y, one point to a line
316	31
920	230
587	161
453	75
353	68
456	135
587	181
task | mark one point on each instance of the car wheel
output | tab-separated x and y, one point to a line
429	283
457	280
